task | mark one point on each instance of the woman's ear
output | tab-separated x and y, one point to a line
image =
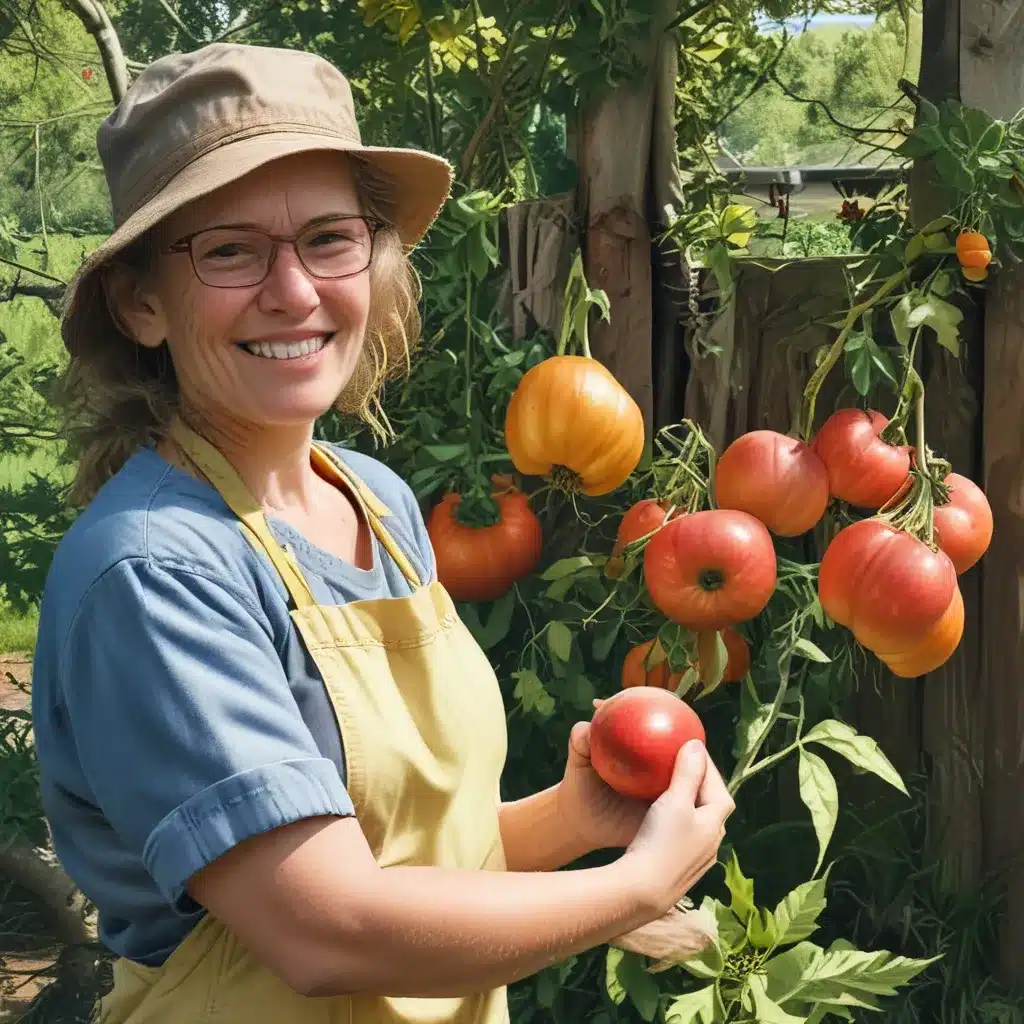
135	310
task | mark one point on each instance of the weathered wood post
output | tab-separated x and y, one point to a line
614	155
992	78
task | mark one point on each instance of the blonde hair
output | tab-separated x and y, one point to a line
119	396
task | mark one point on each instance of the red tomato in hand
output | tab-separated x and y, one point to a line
777	479
862	468
635	737
963	528
887	587
710	570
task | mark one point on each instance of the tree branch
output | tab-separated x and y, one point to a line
96	20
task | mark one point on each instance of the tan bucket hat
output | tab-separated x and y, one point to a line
193	122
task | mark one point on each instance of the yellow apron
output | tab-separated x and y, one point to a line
423	729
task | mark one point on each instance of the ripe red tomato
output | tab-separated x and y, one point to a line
933	648
635	737
886	586
480	563
862	468
963	528
656	672
710	570
639	520
777	479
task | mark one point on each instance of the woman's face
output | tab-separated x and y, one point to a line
274	354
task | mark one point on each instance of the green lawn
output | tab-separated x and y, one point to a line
17	632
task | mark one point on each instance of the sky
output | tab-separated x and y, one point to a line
797	24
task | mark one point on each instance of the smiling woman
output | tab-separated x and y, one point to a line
270	752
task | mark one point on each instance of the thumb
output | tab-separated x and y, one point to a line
579	743
688	773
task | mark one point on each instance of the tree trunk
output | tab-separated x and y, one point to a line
97	21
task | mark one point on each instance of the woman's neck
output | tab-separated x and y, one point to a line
273	462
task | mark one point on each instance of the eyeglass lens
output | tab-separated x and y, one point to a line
237	257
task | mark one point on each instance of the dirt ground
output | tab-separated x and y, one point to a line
19	666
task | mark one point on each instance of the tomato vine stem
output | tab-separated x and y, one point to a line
810	397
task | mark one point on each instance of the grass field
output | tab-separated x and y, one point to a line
17	632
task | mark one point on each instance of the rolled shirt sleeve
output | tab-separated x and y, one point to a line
187	731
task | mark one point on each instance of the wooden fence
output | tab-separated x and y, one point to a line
959	728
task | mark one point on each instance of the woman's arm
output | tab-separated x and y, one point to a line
536	836
310	902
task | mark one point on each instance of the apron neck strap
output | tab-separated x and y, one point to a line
225	480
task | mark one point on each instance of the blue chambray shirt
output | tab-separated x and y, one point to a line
176	711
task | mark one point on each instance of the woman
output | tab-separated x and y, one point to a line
270	752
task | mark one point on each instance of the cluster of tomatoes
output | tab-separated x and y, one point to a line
896	593
708	571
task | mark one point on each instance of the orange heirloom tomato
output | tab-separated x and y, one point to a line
777	479
569	418
933	648
481	563
963	528
974	254
657	671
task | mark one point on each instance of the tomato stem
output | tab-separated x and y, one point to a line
832	356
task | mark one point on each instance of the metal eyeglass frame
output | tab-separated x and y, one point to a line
184	245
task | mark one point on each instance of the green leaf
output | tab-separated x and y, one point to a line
499	621
843	975
798	911
751	727
566	567
762	929
560	640
819	793
766	1009
942	317
605	636
732	935
858	749
740	888
693	1008
811	651
531	694
625	975
446	452
900	316
785	971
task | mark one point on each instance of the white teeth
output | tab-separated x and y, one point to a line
286	349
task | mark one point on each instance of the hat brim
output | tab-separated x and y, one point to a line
419	185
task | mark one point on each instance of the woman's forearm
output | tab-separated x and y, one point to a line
535	836
435	932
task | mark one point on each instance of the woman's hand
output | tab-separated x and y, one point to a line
680	934
679	839
588	806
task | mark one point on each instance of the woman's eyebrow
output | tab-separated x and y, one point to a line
260	227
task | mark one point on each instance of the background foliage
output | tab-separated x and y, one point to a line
497	87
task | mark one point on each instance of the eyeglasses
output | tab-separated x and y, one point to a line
227	257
